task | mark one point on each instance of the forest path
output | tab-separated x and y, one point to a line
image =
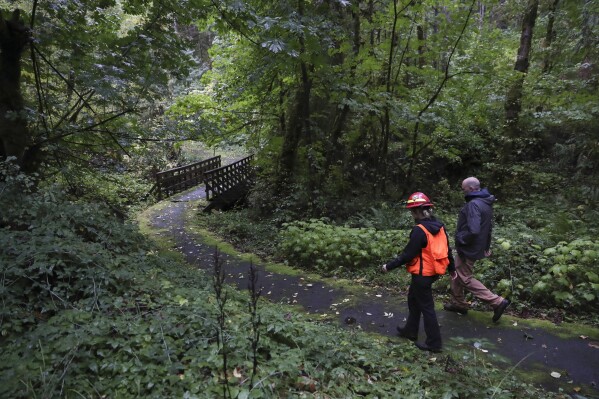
510	343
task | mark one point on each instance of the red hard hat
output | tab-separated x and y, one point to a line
418	199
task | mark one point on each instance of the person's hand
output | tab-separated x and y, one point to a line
488	253
384	269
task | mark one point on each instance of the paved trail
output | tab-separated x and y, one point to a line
577	360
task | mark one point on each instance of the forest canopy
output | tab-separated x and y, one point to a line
335	97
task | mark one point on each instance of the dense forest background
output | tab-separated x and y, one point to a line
338	99
348	107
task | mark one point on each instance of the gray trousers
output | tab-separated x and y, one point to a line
466	280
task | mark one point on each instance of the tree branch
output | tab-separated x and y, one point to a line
62	77
446	75
433	98
85	129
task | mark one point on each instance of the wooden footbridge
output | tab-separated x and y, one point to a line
225	185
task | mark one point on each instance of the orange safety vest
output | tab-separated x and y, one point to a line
433	258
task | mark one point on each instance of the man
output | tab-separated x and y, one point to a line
473	242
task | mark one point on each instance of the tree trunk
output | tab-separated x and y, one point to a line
513	103
416	149
299	124
335	153
421	46
14	133
382	166
549	36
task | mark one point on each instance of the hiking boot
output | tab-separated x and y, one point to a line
455	308
402	333
500	309
425	347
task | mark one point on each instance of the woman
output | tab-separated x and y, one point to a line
426	256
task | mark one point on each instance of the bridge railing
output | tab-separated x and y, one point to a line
220	180
179	179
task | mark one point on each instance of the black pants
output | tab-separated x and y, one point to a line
420	301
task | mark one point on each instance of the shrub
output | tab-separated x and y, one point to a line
386	217
563	275
322	247
57	254
572	280
245	231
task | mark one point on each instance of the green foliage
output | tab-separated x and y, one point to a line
357	111
245	232
385	217
97	73
571	280
90	310
542	259
56	253
200	109
121	191
562	276
317	245
533	177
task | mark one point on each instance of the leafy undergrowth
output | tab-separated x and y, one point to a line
90	308
542	259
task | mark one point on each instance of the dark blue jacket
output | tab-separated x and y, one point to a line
418	241
475	223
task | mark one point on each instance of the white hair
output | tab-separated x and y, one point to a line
472	182
427	212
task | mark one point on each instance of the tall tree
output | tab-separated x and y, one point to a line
93	66
299	127
358	95
15	136
417	148
549	36
513	102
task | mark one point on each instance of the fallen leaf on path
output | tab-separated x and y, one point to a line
583	337
594	345
555	374
479	346
369	314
